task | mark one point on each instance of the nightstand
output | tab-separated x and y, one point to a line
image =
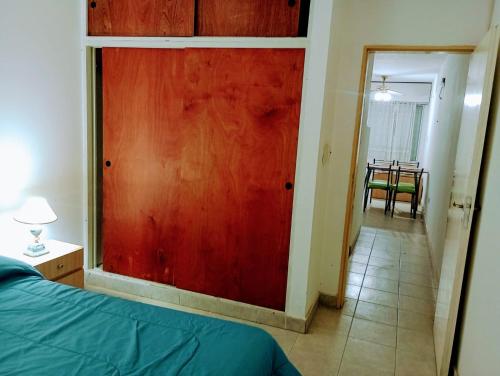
63	263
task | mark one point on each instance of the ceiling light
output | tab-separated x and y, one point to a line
381	96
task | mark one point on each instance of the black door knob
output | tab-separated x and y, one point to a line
288	185
93	4
108	163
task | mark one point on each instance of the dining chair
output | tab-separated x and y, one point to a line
412	164
381	162
383	184
412	188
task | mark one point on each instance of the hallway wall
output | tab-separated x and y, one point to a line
441	145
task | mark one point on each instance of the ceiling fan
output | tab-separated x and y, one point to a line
382	93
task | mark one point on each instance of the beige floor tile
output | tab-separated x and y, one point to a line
385	254
365	242
355	279
362	259
382	284
349	307
416	268
361	250
379	297
409	303
330	321
384	263
373	332
350	369
333	343
410	364
352	291
356	267
415	321
377	313
376	271
312	359
415	259
366	354
416	279
285	338
420	292
419	343
422	252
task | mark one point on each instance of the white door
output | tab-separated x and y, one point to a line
466	175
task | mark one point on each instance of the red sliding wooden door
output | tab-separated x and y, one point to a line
202	145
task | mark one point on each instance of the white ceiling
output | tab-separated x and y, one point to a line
407	66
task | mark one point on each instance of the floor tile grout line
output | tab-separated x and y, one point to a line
353	315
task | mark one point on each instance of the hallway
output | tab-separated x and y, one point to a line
390	284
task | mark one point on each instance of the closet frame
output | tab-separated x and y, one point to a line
308	148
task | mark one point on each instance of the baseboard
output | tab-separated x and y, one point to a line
435	276
311	313
96	279
328	300
353	243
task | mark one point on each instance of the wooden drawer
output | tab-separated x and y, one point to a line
74	279
61	266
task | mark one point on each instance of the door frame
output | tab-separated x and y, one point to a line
367	49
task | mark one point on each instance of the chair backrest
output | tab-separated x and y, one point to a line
408	171
383	162
414	164
372	169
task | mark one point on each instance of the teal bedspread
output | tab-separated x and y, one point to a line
51	329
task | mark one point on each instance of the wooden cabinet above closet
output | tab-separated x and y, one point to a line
263	18
232	18
144	18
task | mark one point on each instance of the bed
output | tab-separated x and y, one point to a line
52	329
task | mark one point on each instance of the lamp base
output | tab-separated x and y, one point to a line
36	249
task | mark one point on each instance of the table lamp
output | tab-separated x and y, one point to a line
36	212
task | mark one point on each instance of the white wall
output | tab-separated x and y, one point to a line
320	33
441	148
358	23
364	143
40	115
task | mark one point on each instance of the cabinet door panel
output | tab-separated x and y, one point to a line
245	106
264	18
143	140
141	18
202	143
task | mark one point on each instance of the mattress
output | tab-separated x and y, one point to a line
51	329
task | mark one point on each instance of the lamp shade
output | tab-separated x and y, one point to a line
35	211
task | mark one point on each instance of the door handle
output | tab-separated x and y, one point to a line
455	205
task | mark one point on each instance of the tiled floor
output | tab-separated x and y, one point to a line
402	221
385	327
390	283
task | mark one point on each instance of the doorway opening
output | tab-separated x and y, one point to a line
408	126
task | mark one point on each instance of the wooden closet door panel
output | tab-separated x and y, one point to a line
243	106
146	210
263	18
141	18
